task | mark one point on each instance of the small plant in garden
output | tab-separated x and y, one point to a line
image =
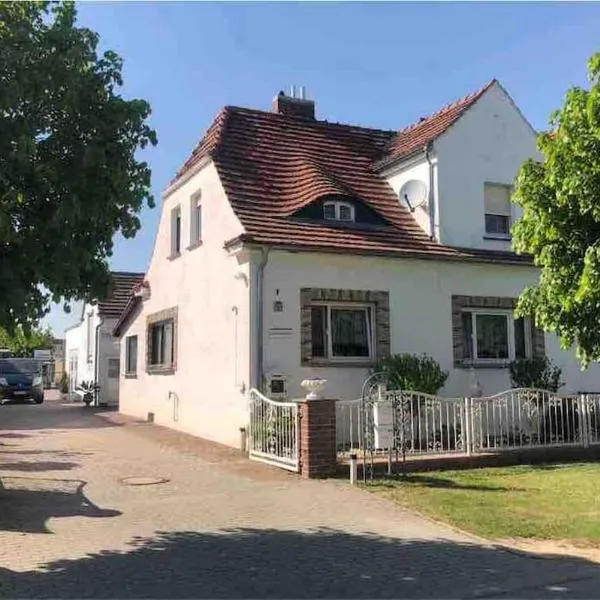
418	373
64	383
535	372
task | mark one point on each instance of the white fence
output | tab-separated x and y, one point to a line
274	432
415	423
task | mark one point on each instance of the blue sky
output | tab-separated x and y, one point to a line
375	64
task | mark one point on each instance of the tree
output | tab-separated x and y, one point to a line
69	177
22	342
560	226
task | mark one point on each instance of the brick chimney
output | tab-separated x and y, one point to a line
294	106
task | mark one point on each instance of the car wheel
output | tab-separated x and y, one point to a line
38	400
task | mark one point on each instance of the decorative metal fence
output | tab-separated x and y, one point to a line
398	422
274	432
348	424
527	418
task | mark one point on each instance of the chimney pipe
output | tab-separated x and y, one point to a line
295	105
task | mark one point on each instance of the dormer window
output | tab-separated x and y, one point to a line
338	211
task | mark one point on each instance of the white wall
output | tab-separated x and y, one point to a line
416	169
76	345
487	144
212	364
420	315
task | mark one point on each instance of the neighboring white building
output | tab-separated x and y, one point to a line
91	350
287	249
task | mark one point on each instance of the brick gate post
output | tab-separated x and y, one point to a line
318	451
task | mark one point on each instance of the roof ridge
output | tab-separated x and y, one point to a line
305	122
466	101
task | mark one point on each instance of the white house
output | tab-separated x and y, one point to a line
290	247
91	350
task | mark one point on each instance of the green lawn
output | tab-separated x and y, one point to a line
542	501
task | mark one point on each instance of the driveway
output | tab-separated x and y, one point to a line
72	525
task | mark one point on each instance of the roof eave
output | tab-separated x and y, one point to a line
180	181
131	304
510	259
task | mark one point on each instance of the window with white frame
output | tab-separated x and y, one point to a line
495	336
161	343
176	231
497	209
338	211
195	219
342	331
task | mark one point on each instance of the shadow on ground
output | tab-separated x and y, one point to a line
440	482
250	563
26	503
49	416
37	466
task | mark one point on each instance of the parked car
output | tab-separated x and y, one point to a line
21	380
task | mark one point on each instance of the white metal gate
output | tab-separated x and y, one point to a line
274	436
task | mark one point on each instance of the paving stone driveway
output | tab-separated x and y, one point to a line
221	527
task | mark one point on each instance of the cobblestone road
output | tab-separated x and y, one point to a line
221	527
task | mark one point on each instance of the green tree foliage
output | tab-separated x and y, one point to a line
69	177
560	226
22	342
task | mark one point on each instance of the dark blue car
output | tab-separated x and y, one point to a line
21	380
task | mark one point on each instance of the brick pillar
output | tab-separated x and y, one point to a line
317	438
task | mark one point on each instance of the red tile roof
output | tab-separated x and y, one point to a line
122	284
417	136
271	165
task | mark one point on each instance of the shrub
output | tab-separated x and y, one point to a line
64	383
535	372
419	373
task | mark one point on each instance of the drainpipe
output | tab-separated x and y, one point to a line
431	199
96	361
260	277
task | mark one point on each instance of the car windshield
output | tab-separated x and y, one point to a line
18	365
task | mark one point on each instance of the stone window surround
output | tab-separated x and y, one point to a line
381	314
460	303
157	317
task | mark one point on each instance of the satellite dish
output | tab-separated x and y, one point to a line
414	193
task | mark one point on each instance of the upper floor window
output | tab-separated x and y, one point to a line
497	210
195	220
338	211
176	231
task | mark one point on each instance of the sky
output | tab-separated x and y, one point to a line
375	64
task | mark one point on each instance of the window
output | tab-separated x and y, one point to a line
495	336
497	210
131	344
342	332
176	231
89	339
195	220
338	211
113	368
161	343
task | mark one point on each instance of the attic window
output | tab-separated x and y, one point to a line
338	211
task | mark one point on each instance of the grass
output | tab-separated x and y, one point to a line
559	502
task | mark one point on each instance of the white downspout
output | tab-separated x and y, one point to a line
260	277
431	195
